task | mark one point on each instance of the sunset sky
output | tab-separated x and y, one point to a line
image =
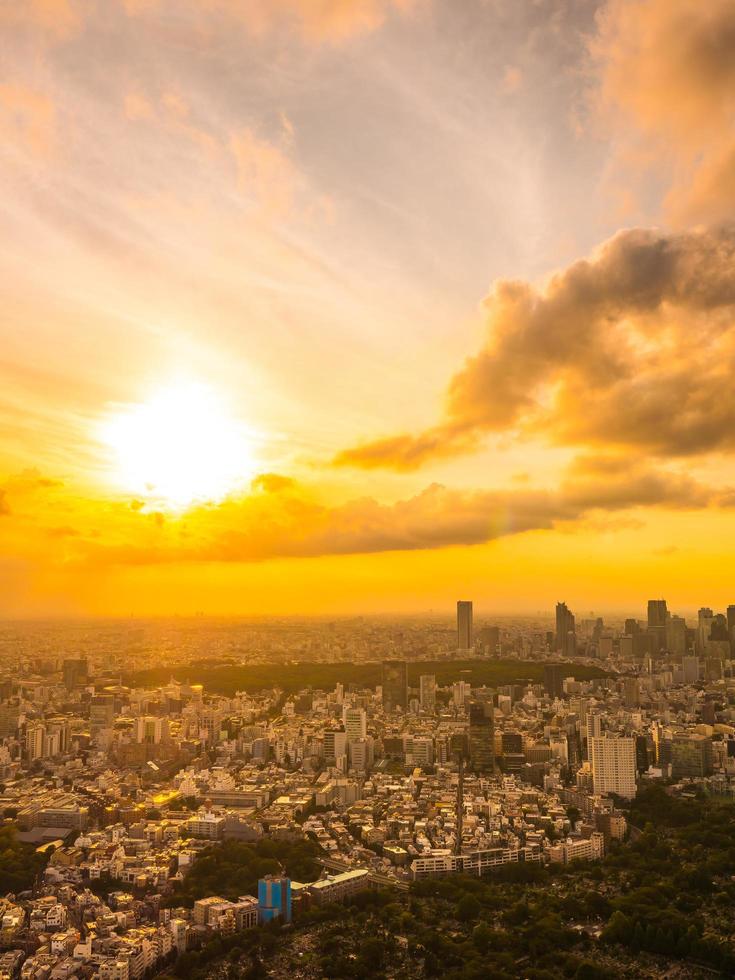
334	306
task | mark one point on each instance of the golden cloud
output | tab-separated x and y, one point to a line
633	348
44	521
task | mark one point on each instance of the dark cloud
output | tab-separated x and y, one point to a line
634	348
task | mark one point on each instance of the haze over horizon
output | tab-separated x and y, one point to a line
329	308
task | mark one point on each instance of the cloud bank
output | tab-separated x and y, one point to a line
281	518
633	348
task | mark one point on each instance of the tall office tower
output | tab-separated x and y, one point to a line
101	711
554	679
718	630
631	692
464	625
481	738
395	684
731	621
657	619
657	613
566	641
35	741
691	756
676	636
274	899
705	618
490	639
427	691
593	727
360	752
423	751
642	760
355	722
461	691
335	746
690	669
613	760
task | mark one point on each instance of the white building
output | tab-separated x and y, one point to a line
613	765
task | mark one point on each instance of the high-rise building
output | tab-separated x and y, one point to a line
355	722
676	636
461	691
274	899
566	640
554	679
360	752
427	691
657	619
101	711
690	669
613	760
423	751
631	692
395	684
464	625
705	618
481	736
35	741
691	756
335	746
490	639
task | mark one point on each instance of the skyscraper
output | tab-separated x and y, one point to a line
657	618
427	691
395	684
464	625
705	617
676	636
566	641
613	761
481	736
355	722
554	679
657	613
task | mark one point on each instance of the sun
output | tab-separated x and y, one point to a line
180	447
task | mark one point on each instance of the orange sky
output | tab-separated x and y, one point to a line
317	306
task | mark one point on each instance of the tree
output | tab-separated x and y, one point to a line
468	908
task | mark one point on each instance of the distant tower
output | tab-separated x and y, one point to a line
395	684
464	625
460	805
657	620
427	691
566	641
481	736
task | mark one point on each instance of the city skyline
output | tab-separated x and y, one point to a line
319	308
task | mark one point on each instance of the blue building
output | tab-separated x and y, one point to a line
274	898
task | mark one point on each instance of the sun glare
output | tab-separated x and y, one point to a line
180	447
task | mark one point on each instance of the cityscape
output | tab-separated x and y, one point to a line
367	489
167	819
